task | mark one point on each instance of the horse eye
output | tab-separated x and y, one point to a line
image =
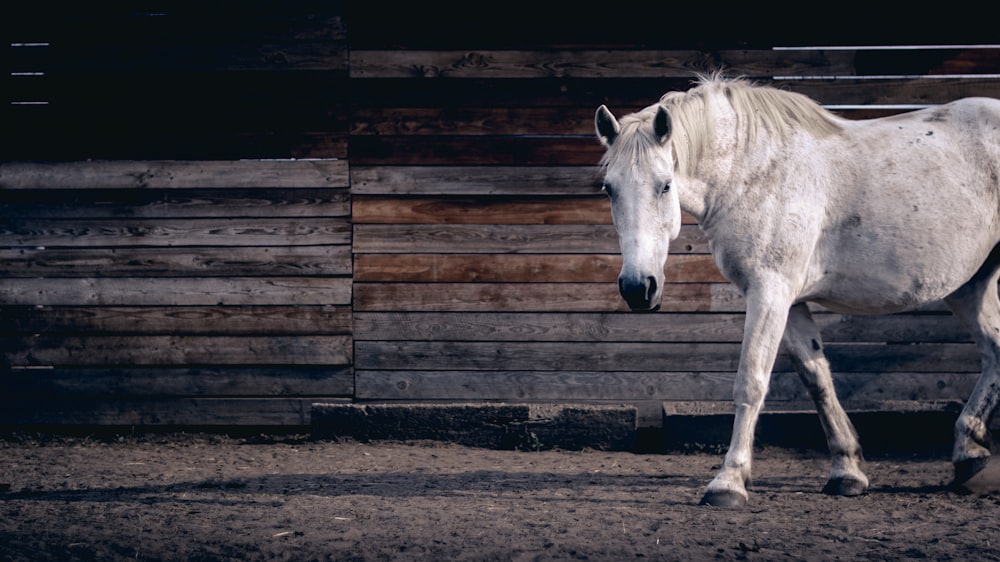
606	189
666	187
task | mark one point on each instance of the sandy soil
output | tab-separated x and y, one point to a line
206	497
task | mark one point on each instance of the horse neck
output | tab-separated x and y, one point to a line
714	175
730	173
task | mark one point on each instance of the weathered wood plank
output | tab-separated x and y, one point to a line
550	326
177	320
477	180
908	90
520	268
114	23
110	232
474	121
256	261
173	203
131	291
741	26
515	94
629	94
652	63
629	327
590	63
40	135
535	297
185	57
501	150
128	174
234	102
630	386
659	356
507	239
283	412
128	351
201	382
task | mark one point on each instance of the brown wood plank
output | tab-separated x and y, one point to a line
108	232
477	180
520	268
595	210
470	210
537	239
659	356
165	174
128	351
172	203
131	291
201	382
535	297
176	262
176	320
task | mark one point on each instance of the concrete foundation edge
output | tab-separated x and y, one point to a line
496	426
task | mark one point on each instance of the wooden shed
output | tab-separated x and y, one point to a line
215	214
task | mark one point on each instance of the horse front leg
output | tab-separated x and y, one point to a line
765	323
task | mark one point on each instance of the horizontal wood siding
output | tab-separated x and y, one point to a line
132	296
485	262
216	214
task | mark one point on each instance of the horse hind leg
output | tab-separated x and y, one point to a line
802	342
977	305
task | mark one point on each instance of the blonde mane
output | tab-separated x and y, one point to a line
757	109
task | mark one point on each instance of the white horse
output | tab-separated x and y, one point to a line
799	205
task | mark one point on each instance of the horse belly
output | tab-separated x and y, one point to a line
915	222
900	274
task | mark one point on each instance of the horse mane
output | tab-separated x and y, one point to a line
757	108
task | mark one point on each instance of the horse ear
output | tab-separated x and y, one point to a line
607	126
662	125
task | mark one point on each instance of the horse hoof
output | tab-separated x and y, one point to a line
965	470
724	498
845	487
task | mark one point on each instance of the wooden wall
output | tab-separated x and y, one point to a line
439	235
485	261
176	239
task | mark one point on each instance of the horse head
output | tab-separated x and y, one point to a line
638	178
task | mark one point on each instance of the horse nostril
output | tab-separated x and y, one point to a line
638	292
650	288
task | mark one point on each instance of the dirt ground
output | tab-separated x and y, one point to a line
209	497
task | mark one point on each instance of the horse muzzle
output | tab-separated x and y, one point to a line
642	294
